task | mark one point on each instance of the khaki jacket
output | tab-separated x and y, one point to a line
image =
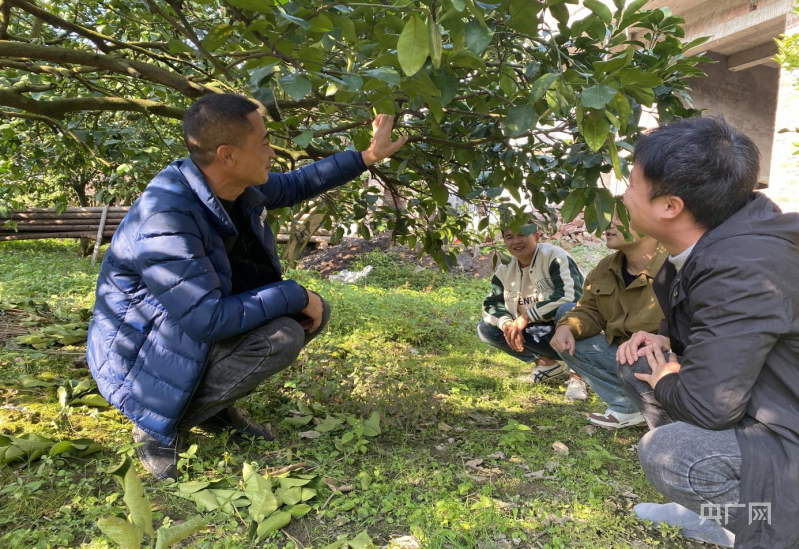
606	304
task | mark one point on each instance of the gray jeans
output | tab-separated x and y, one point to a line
695	467
237	365
689	465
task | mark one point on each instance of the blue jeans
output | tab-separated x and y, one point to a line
533	350
595	360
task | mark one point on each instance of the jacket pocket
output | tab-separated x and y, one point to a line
603	288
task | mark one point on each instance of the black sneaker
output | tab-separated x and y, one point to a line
238	422
159	459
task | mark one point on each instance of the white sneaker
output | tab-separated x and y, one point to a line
544	373
616	420
576	389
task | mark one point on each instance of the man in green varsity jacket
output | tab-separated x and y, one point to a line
519	313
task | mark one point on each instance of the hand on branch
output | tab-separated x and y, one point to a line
382	146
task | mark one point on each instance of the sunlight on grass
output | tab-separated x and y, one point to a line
447	467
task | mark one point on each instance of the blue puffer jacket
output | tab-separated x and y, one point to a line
164	290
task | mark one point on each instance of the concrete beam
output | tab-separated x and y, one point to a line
729	22
751	57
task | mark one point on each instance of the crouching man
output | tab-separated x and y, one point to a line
618	301
519	313
192	312
721	393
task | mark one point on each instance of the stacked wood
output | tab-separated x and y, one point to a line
44	223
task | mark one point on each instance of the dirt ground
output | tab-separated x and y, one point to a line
340	256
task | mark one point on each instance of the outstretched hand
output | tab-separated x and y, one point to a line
382	146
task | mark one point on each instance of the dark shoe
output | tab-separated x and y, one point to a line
159	459
237	421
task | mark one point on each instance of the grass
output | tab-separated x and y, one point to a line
401	344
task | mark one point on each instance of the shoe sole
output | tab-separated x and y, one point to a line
615	426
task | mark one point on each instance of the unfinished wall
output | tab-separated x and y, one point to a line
747	99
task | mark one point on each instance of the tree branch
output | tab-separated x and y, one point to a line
130	67
59	108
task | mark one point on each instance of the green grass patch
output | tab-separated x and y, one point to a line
402	344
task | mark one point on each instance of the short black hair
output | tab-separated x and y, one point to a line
214	120
706	162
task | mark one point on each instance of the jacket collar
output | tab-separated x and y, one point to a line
197	183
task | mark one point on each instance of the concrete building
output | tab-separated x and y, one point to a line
745	85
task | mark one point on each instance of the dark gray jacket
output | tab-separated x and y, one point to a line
733	315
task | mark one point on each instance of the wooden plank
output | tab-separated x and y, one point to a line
55	228
46	236
751	57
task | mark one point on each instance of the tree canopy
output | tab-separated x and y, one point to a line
507	95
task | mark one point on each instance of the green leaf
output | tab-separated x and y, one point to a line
372	423
217	37
134	498
120	532
605	206
633	8
30	382
260	6
321	23
296	86
167	536
91	400
478	37
289	496
540	86
614	159
524	16
436	44
330	423
413	47
61	448
636	77
259	491
273	524
385	74
600	9
560	12
573	205
301	22
300	510
362	541
303	139
439	193
595	129
177	46
447	84
597	97
519	119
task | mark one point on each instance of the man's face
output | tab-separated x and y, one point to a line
254	157
614	239
520	246
642	210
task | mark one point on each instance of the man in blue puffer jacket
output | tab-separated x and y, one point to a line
191	310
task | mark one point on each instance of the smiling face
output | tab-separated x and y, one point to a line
254	157
521	246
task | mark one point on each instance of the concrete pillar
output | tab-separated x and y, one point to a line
784	172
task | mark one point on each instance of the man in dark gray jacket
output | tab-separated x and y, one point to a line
721	392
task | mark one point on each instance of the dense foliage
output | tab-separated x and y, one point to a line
531	97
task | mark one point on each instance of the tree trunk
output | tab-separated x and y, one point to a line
86	244
300	233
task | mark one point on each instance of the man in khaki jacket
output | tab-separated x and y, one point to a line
618	299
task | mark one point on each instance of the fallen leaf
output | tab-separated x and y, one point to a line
310	434
474	463
497	455
589	430
560	448
444	427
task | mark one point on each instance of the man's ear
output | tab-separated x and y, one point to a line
673	206
225	155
